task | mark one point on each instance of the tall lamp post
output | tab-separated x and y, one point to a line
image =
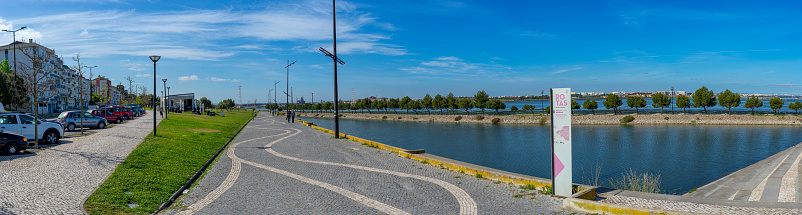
169	103
288	83
154	58
336	61
14	43
275	95
165	95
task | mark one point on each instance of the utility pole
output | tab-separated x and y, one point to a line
336	61
541	100
275	94
313	99
14	42
288	82
240	94
672	99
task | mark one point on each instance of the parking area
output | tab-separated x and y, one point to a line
59	177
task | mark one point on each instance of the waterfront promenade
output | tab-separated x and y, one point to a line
273	167
774	179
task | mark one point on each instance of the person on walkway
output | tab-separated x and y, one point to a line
288	116
293	116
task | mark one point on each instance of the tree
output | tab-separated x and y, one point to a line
206	103
496	105
451	102
130	86
575	105
480	99
513	109
752	103
427	102
591	105
636	102
415	105
39	76
795	106
466	104
404	104
366	104
548	110
683	102
704	98
728	99
227	104
661	101
393	104
438	103
613	102
776	104
7	87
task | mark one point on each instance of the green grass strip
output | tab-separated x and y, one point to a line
161	165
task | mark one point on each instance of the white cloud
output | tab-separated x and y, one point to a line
567	69
235	80
188	78
218	79
138	33
143	75
454	66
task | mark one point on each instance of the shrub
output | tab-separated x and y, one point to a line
665	118
478	175
543	120
457	118
479	117
627	119
546	190
399	117
496	121
341	115
316	115
384	117
528	187
630	180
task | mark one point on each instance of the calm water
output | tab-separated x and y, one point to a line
686	157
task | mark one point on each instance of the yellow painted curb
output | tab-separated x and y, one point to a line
589	206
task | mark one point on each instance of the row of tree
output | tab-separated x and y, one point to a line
703	97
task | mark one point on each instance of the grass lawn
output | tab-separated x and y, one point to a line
161	165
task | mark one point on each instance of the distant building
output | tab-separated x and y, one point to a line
301	101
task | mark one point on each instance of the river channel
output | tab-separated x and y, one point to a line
685	156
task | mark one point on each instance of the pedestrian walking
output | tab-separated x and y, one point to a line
288	116
293	116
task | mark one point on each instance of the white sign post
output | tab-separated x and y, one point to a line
561	142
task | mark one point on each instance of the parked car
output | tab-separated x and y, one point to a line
137	111
72	120
122	111
12	143
139	108
20	123
108	115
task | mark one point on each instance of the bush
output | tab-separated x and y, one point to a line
399	117
630	180
496	121
627	119
543	120
384	117
457	118
479	117
665	118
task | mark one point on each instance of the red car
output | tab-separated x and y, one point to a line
108	115
122	111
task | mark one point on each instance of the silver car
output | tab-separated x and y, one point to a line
23	124
72	120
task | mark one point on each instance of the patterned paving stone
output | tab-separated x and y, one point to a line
286	168
57	179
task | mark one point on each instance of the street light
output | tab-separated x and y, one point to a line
154	58
14	43
165	95
288	82
336	61
169	103
90	81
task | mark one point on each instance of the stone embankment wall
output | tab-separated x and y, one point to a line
607	119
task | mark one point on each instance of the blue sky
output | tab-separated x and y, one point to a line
400	48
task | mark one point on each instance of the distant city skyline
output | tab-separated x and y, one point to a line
403	48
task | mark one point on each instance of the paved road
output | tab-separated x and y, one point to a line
775	179
277	168
57	179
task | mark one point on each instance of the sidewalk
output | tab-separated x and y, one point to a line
274	167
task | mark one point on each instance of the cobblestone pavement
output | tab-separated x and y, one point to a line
58	178
274	167
695	207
